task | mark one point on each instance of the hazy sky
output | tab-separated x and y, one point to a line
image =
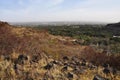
60	10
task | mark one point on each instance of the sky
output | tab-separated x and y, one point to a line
60	10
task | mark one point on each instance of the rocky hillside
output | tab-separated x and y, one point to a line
30	54
29	41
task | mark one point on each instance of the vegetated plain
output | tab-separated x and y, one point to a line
67	52
106	37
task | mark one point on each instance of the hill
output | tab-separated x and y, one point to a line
31	54
115	28
24	39
114	25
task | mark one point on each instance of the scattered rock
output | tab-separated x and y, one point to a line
6	57
22	57
70	75
48	66
65	58
98	77
35	58
65	68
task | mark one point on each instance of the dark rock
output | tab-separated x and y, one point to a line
66	64
22	57
91	66
110	70
55	62
65	68
70	75
15	67
77	63
83	62
76	70
48	66
105	65
6	57
106	70
20	60
65	58
98	77
72	64
35	58
114	71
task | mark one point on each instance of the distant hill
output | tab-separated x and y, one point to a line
114	25
115	28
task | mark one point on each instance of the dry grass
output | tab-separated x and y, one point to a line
27	41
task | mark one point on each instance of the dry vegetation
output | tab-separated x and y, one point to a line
28	54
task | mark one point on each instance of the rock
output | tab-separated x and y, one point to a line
70	75
15	67
66	64
110	70
76	70
105	65
55	62
6	57
91	66
98	77
48	66
83	63
65	68
65	58
106	70
22	57
114	71
35	58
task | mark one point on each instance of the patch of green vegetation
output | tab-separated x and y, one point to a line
99	35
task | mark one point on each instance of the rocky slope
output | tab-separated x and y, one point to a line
29	54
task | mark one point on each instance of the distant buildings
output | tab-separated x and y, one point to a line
116	36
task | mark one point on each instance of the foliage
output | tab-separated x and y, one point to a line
99	35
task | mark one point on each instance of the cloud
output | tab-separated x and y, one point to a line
55	10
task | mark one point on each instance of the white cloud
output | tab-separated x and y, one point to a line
88	15
48	10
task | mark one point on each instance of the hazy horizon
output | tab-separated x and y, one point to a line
60	10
